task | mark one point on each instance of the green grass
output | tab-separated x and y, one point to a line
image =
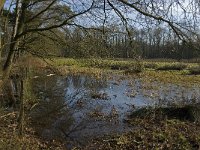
105	64
117	63
151	65
173	66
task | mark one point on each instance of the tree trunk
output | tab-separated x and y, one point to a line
2	4
21	111
18	28
8	64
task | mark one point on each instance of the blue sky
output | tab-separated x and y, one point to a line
89	19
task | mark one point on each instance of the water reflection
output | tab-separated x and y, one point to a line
50	116
80	107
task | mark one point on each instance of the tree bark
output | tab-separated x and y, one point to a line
21	111
18	29
8	64
2	4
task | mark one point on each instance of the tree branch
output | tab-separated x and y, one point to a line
41	12
159	18
65	22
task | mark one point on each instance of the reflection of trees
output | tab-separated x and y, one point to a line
51	115
87	82
51	110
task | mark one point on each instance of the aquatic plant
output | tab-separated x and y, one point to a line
102	96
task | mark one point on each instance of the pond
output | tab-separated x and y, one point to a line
81	107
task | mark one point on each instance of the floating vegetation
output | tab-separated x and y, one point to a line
102	96
132	94
96	114
114	112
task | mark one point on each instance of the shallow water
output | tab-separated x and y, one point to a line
85	107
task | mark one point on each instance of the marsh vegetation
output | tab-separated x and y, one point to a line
110	74
76	104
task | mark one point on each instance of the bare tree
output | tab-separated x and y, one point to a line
48	21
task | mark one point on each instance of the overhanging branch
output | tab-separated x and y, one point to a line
65	22
177	31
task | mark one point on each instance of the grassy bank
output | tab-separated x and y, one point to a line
121	64
167	72
153	134
154	129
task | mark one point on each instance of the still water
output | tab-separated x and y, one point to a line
81	107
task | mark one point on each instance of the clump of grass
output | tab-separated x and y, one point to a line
118	67
132	71
175	66
103	96
151	65
63	61
137	67
195	70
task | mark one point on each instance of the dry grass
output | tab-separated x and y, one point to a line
150	133
194	70
9	139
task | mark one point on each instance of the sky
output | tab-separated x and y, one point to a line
134	18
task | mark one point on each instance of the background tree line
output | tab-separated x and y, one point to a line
106	28
156	42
